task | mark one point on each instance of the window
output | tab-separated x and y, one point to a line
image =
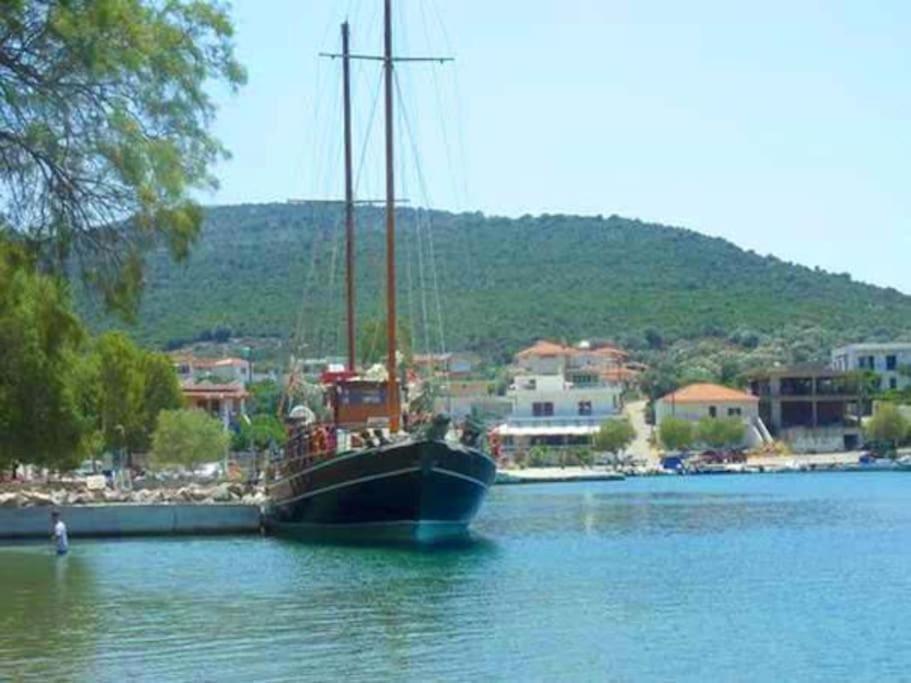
542	409
890	362
713	411
893	383
734	412
585	407
865	362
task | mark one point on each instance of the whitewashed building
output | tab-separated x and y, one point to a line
548	410
887	360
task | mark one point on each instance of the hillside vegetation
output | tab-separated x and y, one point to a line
504	282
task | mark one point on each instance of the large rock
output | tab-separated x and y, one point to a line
200	494
110	496
11	500
80	498
182	495
256	498
37	498
222	493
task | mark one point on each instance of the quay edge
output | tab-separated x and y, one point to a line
132	520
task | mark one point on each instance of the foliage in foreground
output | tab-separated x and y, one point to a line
64	396
188	437
104	129
42	418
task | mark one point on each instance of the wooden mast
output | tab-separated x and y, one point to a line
392	387
349	200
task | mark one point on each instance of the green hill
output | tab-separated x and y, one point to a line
504	282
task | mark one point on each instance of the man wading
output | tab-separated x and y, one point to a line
59	536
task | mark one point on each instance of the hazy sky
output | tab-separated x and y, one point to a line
782	126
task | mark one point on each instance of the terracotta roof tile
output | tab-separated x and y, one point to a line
700	393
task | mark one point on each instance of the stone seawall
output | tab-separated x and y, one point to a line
131	520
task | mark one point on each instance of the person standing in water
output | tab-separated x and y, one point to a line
59	536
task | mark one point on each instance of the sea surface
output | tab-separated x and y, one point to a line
792	577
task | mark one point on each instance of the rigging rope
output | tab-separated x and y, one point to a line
409	130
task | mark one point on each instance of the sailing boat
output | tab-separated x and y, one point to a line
347	477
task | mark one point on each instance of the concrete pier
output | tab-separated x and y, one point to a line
131	520
553	475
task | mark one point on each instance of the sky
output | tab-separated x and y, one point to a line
784	127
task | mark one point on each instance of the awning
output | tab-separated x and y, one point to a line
546	430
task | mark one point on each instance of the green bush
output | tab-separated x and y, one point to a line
887	426
720	432
614	435
676	434
188	437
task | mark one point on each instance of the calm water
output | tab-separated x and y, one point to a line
740	578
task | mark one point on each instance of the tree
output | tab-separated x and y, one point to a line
42	417
614	436
259	433
188	437
104	117
887	426
864	383
120	409
720	432
132	387
160	391
265	397
676	434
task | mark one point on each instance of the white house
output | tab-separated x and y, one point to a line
549	410
215	369
463	397
886	360
697	401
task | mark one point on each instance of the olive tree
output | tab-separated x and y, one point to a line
676	434
614	436
720	432
887	426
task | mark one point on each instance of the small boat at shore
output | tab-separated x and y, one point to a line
359	475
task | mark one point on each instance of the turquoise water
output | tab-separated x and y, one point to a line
803	577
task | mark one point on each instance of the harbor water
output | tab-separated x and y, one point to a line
801	577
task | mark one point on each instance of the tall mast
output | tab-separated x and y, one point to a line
349	198
392	388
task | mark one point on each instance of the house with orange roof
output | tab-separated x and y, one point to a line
226	401
550	358
704	400
228	369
